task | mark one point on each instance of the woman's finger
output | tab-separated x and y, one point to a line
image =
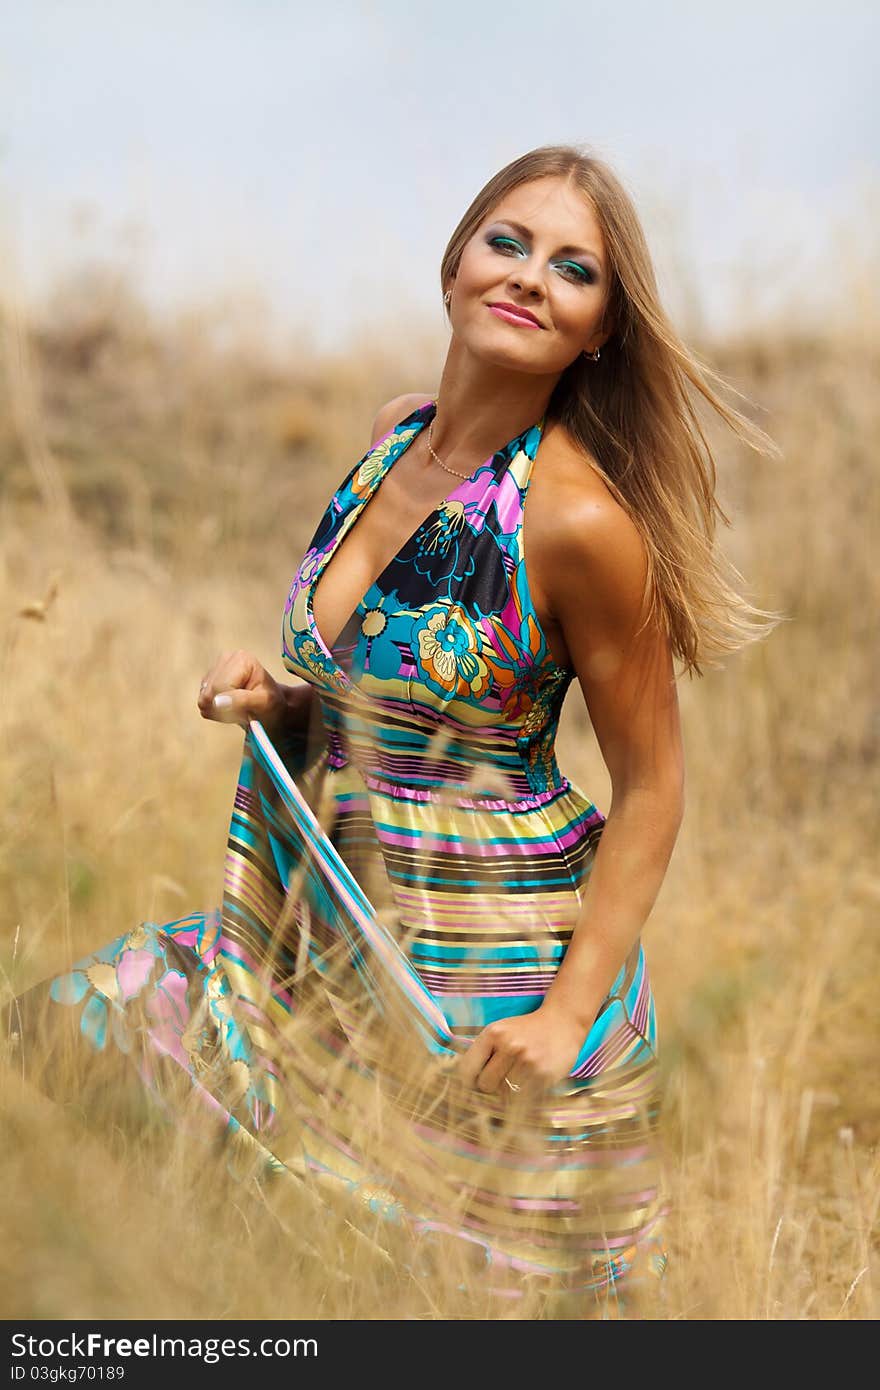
228	707
471	1063
234	672
239	706
491	1078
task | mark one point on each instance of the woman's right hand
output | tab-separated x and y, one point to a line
237	689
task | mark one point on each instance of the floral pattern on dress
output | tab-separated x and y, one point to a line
161	982
374	646
318	663
371	468
450	621
449	652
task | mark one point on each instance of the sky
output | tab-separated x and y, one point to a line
315	159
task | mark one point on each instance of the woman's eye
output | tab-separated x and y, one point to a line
503	242
506	245
580	272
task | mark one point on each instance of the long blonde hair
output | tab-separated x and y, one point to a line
632	414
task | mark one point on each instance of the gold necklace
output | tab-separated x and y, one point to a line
453	471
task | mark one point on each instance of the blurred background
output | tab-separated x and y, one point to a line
220	235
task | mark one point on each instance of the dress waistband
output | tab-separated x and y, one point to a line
408	792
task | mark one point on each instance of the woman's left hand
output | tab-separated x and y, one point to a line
530	1052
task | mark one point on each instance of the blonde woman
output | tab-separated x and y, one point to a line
435	635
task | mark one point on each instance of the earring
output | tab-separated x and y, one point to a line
592	356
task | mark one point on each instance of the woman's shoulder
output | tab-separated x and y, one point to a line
577	526
568	486
395	410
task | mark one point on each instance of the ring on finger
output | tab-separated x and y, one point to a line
512	1084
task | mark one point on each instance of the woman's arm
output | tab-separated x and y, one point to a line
629	688
594	587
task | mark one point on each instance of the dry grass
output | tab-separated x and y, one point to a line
158	487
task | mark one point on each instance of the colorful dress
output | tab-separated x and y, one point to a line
392	887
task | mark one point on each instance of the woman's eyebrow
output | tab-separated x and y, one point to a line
566	250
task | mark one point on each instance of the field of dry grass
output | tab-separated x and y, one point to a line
158	485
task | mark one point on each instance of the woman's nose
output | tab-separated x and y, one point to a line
526	277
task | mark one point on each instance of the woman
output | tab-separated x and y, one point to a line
474	953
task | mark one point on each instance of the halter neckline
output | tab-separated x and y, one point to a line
394	444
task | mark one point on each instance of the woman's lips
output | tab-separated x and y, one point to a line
519	319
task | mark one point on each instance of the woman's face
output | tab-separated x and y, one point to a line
541	249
